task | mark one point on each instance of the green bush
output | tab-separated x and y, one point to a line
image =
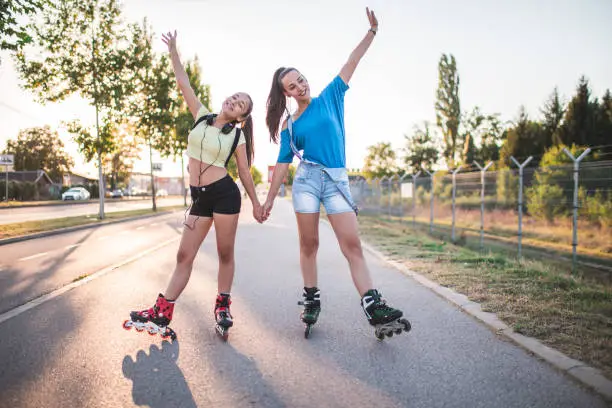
596	208
543	201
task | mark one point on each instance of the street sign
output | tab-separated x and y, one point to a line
157	166
7	159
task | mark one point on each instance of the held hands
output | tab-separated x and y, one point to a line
170	40
257	212
372	19
267	209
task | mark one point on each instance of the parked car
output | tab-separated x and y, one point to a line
161	193
117	193
76	193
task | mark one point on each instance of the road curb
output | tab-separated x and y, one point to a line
582	372
58	231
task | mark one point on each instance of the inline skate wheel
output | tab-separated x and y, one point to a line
307	331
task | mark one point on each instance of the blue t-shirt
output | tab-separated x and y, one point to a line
319	131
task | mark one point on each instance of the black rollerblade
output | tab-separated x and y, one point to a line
312	308
385	319
154	320
223	317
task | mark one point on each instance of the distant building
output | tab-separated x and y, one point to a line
44	188
73	179
141	183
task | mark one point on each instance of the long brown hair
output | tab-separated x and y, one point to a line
247	128
277	102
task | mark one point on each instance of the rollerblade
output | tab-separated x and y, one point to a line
154	320
385	319
223	317
312	308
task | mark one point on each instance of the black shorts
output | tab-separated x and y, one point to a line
221	197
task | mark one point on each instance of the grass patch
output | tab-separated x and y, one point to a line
542	300
79	278
32	227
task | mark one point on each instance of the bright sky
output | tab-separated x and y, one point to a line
509	53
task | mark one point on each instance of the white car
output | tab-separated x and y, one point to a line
76	193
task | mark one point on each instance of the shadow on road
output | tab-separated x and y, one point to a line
18	289
157	379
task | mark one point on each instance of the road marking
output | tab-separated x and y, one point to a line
154	224
73	246
104	237
139	228
27	258
45	298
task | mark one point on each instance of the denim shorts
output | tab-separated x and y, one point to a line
312	187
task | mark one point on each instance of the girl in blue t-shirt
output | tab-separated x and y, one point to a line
317	129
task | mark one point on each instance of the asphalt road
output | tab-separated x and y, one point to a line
71	350
22	214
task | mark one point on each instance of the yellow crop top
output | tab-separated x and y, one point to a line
212	147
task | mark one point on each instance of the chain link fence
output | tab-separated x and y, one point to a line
560	212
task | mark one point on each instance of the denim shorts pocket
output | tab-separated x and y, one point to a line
301	174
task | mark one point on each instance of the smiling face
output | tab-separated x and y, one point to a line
237	107
296	86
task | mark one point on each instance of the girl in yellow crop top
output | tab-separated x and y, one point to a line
215	198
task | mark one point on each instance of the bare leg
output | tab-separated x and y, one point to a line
225	228
345	228
308	227
190	244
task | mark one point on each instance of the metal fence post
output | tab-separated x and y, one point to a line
431	211
377	185
520	203
401	181
482	196
414	178
575	210
391	193
454	191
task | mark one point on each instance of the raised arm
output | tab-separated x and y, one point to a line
193	103
349	68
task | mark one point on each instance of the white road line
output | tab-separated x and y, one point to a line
27	258
73	246
104	237
154	224
139	228
45	298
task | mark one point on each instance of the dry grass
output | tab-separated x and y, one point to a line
32	227
593	239
572	314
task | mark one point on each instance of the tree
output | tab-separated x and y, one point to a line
40	148
579	123
421	154
552	190
553	115
13	35
448	109
81	50
152	104
480	137
380	161
176	143
604	123
119	163
526	138
257	176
